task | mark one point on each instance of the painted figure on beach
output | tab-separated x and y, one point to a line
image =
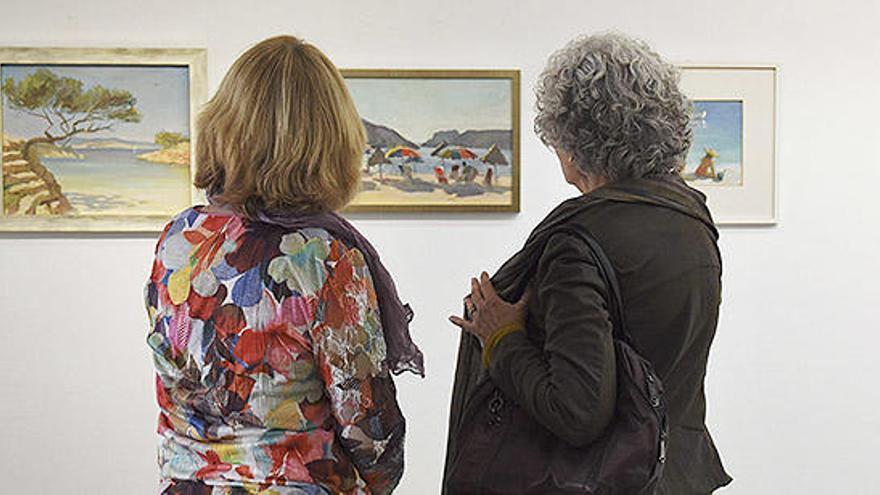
95	140
433	138
706	169
715	157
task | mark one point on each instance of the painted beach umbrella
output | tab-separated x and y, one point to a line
405	152
377	158
494	156
402	152
457	153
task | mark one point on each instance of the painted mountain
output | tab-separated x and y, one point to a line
379	136
472	139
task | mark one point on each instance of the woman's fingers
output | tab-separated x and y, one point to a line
476	292
470	307
462	323
486	287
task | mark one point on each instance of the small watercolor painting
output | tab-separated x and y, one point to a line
438	140
716	156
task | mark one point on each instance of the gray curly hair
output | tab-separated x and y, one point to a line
615	106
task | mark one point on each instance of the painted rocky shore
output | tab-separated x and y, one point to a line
29	188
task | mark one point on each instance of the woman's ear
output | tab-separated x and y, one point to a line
569	170
565	158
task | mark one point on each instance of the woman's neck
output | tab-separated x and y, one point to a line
587	184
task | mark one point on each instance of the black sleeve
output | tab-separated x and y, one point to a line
569	384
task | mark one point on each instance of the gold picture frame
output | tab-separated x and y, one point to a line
415	189
99	74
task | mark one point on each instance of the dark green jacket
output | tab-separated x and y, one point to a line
660	238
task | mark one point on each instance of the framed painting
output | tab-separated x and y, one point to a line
98	139
733	157
438	140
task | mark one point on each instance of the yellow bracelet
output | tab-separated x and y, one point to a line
496	337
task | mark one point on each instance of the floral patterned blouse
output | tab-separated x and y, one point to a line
268	350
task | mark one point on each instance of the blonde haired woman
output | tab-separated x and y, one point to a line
274	326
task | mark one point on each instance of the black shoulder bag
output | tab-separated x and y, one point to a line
505	451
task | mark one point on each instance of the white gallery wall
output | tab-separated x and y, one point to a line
792	389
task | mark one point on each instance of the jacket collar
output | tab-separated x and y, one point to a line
668	192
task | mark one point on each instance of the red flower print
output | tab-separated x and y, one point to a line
251	347
214	468
311	446
244	472
158	272
162	395
214	223
203	308
288	461
336	251
241	386
283	345
228	320
316	412
341	309
164	424
194	236
278	357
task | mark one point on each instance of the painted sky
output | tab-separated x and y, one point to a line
417	108
718	126
162	98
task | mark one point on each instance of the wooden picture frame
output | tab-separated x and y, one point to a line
390	98
96	84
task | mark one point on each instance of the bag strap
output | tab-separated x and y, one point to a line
606	271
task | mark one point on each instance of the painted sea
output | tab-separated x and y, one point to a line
717	126
115	181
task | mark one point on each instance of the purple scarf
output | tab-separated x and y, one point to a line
402	354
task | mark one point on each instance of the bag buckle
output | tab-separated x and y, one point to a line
495	407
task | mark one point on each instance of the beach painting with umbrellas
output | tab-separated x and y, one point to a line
438	140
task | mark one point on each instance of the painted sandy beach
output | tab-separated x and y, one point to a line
425	190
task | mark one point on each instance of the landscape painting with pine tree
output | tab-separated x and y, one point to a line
96	141
438	140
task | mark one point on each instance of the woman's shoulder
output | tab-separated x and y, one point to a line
307	244
246	244
176	224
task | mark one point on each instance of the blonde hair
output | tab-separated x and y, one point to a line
281	132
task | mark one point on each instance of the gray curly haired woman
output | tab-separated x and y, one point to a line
614	106
537	336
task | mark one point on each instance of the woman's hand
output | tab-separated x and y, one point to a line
487	311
